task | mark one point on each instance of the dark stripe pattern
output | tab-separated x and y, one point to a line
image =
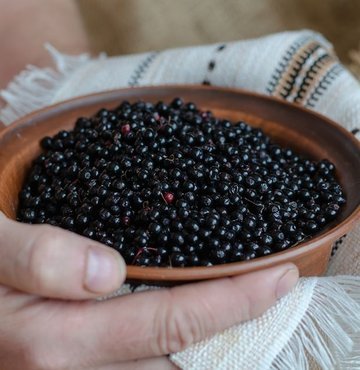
141	69
304	73
337	245
324	84
212	64
284	62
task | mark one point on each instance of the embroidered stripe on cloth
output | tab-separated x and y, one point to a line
317	326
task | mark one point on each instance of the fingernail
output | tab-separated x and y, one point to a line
287	282
104	271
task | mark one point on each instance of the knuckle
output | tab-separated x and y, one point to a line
179	328
243	311
41	255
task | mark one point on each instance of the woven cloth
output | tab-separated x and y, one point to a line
316	326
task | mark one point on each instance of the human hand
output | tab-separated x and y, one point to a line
48	320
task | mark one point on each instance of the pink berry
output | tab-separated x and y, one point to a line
126	220
125	129
169	197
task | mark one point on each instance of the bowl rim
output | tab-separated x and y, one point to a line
200	272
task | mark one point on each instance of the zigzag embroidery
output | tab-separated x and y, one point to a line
323	84
284	62
299	62
140	70
310	75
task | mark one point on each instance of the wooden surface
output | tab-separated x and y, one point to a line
306	132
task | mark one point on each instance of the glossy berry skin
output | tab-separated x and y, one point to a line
169	198
125	129
170	185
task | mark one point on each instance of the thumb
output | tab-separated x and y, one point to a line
52	262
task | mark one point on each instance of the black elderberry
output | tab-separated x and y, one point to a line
178	260
82	220
170	185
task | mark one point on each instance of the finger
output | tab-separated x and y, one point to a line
155	323
52	262
156	363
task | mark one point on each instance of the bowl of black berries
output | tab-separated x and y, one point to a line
186	182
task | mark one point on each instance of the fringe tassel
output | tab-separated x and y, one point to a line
329	331
34	88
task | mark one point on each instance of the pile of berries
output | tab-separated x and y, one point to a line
170	185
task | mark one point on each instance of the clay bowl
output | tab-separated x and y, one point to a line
287	124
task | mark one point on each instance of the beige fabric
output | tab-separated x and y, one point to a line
131	26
